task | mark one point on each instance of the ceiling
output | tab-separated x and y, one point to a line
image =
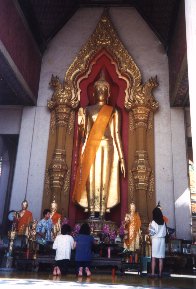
46	17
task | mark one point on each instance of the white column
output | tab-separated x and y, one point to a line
23	158
181	189
190	15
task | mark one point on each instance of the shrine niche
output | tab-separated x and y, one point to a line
136	105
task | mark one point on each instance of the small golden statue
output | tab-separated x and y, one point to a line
132	225
56	219
32	238
97	182
32	231
148	246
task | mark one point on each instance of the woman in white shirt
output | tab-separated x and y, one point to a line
63	244
157	230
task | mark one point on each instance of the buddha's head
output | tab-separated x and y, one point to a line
53	206
24	205
101	89
132	207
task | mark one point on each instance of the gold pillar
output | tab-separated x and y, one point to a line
62	104
141	104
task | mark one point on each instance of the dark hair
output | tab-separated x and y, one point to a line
46	211
157	216
85	229
65	229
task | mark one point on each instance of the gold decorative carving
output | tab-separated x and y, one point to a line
150	121
131	121
52	122
62	94
141	170
57	169
141	104
131	186
61	105
67	182
141	96
71	122
104	38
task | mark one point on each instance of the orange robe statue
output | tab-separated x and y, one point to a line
132	227
25	217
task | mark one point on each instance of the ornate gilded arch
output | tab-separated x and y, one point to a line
139	102
104	37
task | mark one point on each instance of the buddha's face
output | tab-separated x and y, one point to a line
132	208
53	207
101	92
24	205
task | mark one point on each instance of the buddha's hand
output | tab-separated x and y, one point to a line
122	166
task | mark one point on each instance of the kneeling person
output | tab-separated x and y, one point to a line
63	244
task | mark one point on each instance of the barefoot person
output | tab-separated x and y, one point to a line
63	244
84	242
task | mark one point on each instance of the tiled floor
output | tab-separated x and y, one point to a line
22	279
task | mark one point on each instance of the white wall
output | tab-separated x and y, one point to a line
180	173
149	55
31	159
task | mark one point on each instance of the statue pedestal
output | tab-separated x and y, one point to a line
101	229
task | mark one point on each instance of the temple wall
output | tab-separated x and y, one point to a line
180	171
149	55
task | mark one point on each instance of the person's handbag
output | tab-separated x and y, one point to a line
152	230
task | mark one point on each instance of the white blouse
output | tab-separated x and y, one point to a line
159	230
63	244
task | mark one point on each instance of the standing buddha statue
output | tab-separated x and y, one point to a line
97	187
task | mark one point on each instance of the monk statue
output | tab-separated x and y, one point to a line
56	219
97	180
24	218
132	225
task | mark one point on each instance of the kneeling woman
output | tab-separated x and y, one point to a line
84	242
63	244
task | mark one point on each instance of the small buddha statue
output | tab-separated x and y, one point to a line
56	219
132	225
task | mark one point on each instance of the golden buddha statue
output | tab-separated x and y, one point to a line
56	219
132	225
97	181
24	218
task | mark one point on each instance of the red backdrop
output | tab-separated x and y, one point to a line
117	97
